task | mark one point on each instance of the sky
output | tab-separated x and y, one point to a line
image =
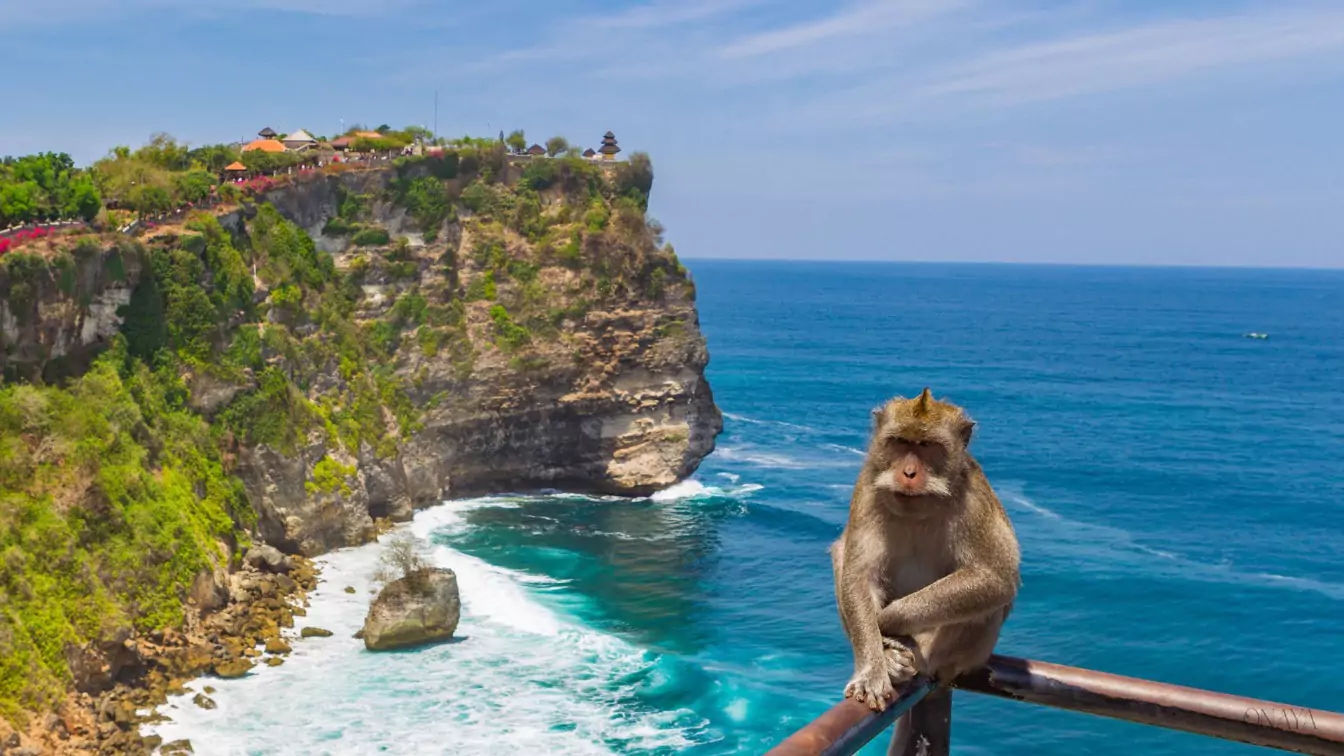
1189	132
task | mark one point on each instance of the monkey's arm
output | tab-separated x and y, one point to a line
985	579
858	605
967	594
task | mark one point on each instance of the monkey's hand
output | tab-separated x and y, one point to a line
900	660
872	685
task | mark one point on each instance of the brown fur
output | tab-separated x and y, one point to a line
926	569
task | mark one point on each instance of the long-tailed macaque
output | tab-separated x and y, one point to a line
926	570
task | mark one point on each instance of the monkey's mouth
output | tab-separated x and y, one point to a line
933	485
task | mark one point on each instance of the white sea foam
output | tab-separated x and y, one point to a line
520	679
694	489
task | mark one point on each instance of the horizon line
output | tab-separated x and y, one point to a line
1025	263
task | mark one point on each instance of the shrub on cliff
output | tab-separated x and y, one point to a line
370	237
509	335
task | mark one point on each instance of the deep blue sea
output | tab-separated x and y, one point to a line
1177	488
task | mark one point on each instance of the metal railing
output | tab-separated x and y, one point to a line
926	731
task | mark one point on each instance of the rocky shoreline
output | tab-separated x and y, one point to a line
237	623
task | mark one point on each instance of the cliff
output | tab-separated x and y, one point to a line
341	350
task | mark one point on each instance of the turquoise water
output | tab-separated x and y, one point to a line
1178	491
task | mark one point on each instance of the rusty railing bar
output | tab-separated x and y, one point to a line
849	725
1175	707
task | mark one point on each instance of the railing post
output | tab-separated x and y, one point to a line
927	729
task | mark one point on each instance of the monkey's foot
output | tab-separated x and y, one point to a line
900	660
872	686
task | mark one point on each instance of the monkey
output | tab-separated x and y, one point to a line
927	566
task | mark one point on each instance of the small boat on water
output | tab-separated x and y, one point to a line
1254	335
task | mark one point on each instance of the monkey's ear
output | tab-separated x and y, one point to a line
967	428
877	416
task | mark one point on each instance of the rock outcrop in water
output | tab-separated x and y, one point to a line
422	607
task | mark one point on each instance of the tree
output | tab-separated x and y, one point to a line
556	145
635	179
83	200
418	133
401	558
193	186
383	129
18	202
516	141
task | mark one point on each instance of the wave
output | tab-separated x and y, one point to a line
694	489
520	678
1082	539
777	423
773	460
844	449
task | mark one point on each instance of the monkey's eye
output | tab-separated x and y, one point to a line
899	441
921	442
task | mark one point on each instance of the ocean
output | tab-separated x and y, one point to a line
1177	489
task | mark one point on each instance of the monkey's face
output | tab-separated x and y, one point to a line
914	467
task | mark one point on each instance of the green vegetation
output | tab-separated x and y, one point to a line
509	335
45	187
330	476
370	237
113	497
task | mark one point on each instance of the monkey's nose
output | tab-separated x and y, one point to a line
911	474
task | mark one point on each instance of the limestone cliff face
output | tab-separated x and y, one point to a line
60	315
617	402
612	399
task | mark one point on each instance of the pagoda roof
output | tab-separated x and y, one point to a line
589	152
266	133
609	149
608	135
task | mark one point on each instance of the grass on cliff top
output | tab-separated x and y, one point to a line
113	498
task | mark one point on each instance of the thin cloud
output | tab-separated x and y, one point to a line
1135	57
865	19
1086	63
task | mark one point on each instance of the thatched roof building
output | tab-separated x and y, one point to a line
609	147
536	150
267	133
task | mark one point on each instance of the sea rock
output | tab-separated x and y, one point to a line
423	607
267	558
203	701
274	661
177	748
314	632
277	645
233	668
